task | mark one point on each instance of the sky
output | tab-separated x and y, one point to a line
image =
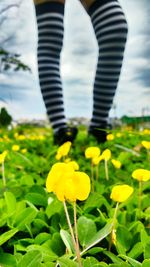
20	91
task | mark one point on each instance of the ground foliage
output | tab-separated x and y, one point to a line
33	226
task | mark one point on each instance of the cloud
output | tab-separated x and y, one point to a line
79	59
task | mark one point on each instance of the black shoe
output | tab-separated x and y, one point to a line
100	133
65	134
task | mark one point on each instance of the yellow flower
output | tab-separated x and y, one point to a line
146	144
3	156
106	154
15	148
68	184
116	163
6	138
21	137
97	160
146	131
92	152
41	137
118	135
141	175
16	135
74	165
63	150
110	137
66	160
32	137
24	150
121	193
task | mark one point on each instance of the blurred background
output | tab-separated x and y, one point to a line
19	87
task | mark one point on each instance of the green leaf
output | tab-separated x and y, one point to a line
136	226
26	216
95	200
54	207
146	263
99	236
113	257
7	235
120	248
66	237
47	253
38	189
147	251
7	260
40	224
145	240
95	250
57	244
27	180
123	264
91	262
65	262
144	237
48	264
124	237
133	262
136	251
10	203
32	258
86	230
41	238
36	199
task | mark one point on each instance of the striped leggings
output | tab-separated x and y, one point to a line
110	28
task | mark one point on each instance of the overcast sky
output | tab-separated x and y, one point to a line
21	91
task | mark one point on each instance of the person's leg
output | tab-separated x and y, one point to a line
110	28
50	22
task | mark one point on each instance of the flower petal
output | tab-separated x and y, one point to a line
121	193
82	184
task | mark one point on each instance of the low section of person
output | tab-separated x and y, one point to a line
110	27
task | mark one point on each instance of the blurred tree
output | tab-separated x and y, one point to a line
9	60
5	118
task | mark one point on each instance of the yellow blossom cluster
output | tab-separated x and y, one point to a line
63	150
146	144
3	156
111	137
93	153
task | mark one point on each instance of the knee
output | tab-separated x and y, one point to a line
115	32
110	26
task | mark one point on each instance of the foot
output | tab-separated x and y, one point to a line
65	134
100	132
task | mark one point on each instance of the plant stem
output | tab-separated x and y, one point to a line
3	175
115	213
106	170
76	235
96	172
113	226
69	224
140	198
92	176
72	234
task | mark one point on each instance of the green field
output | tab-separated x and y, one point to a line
33	226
